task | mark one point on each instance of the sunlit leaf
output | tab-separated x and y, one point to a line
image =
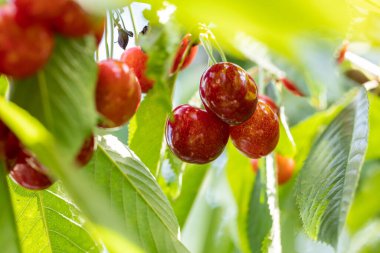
330	174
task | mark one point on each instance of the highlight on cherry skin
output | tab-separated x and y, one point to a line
229	92
195	135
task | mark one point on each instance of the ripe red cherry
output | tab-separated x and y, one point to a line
98	26
195	135
259	135
40	10
229	92
290	86
181	51
118	93
23	49
3	136
87	151
285	168
137	60
73	21
271	103
27	173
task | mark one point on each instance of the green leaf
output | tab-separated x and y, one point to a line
330	174
9	238
147	134
259	220
240	176
86	194
48	221
3	85
61	96
286	145
133	190
374	124
193	177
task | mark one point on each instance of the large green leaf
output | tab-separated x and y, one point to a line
133	190
374	124
9	237
85	193
330	174
147	128
61	96
259	220
48	221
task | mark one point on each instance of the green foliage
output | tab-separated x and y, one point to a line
48	221
126	180
329	176
259	221
9	237
63	93
3	85
147	136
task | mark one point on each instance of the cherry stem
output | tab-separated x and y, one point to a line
106	38
133	23
118	12
112	28
208	49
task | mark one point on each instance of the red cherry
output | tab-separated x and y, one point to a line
137	60
13	148
118	93
181	51
285	168
25	173
40	10
290	86
259	135
73	21
86	152
3	136
229	91
271	103
23	49
255	165
195	135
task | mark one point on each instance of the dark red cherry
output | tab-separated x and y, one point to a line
259	135
24	173
87	151
40	10
118	93
181	51
271	103
229	92
195	135
137	60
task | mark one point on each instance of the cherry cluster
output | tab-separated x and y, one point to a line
121	82
27	29
232	108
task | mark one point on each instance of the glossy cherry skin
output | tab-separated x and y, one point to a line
24	49
229	92
3	136
86	152
181	51
40	10
27	173
137	60
195	135
73	21
271	103
118	93
259	135
290	86
285	168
